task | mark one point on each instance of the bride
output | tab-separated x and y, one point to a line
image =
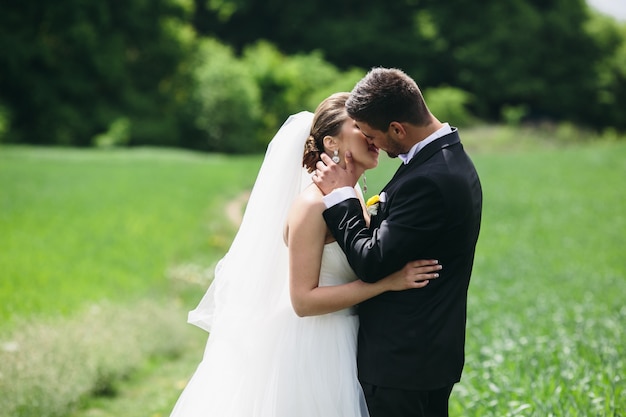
280	309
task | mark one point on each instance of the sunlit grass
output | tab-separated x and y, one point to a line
546	303
547	300
78	226
97	252
50	366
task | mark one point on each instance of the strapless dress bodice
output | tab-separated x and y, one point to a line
335	269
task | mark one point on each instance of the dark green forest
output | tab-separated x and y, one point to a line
221	75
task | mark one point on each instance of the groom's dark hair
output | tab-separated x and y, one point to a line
386	95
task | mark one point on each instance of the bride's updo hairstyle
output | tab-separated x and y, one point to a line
327	121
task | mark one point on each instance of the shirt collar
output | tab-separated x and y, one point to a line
444	130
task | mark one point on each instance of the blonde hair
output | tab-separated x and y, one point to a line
327	121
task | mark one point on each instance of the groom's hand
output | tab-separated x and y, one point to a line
330	176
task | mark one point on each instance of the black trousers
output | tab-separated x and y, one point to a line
392	402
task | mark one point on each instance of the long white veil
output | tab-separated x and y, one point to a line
261	359
252	278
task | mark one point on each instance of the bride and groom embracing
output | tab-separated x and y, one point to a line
320	308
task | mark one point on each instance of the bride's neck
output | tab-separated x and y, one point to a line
359	173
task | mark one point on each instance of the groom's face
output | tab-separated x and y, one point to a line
381	139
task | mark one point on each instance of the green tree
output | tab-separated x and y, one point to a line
292	83
532	54
224	104
70	68
521	52
350	33
236	103
609	100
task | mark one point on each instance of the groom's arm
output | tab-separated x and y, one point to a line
414	221
409	229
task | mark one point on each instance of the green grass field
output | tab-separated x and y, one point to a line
547	313
79	226
547	307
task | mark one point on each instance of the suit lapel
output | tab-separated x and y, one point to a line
426	153
399	172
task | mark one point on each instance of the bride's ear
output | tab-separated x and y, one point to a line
330	143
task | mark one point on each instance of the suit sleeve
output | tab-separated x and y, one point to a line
413	220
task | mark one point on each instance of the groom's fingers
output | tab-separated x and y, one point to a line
325	161
330	175
321	167
349	162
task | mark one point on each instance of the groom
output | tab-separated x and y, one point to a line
411	343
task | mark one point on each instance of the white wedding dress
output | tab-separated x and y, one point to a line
298	367
261	359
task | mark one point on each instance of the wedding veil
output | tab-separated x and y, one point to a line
261	359
252	280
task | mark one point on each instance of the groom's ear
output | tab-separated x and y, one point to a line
397	130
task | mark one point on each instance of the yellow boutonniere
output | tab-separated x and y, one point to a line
372	205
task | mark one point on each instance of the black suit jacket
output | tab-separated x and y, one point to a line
415	339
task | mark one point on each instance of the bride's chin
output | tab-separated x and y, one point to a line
368	163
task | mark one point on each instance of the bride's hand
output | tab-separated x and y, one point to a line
415	274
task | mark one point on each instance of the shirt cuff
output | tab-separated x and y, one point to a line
338	195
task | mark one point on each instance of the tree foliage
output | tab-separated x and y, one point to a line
609	96
521	51
70	68
226	99
223	74
535	53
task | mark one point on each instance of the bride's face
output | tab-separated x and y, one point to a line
364	154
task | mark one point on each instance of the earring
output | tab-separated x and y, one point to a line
335	157
364	184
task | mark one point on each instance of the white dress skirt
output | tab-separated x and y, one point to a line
279	364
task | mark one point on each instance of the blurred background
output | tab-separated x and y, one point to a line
131	134
221	75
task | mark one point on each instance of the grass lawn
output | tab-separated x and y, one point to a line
79	226
548	298
101	255
547	303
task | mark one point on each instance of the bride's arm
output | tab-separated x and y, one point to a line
306	238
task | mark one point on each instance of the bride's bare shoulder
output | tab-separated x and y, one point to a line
309	200
306	211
